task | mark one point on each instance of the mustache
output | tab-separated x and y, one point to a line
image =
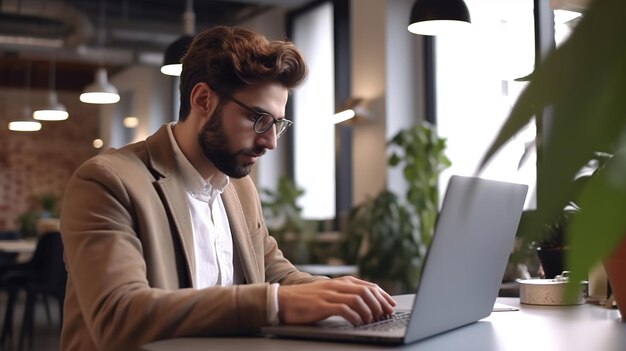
256	151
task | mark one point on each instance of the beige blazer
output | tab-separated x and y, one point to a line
128	242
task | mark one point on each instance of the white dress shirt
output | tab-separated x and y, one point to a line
213	244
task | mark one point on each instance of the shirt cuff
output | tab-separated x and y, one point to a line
272	305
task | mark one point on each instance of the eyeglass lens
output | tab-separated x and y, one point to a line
264	122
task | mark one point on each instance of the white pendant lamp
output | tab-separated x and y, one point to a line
53	110
24	126
25	123
100	91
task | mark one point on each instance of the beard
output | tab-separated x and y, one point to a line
215	143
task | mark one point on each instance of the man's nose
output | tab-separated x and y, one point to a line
267	139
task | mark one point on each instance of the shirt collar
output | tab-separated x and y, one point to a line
203	189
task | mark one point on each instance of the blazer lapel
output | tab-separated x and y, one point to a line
241	236
171	187
175	200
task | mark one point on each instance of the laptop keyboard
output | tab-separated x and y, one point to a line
396	320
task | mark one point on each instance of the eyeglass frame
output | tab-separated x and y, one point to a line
259	115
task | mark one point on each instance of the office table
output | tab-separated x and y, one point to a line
532	328
16	251
18	246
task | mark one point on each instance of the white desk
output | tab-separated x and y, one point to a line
18	246
21	249
532	328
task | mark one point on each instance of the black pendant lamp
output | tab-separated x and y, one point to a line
437	17
176	50
173	54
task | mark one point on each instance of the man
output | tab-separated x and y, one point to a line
165	238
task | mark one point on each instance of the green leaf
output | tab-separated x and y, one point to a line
584	81
601	223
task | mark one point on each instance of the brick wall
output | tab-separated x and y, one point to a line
37	163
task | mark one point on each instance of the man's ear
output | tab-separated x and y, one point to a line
203	98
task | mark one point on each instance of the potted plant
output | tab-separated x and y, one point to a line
551	245
284	219
387	234
27	222
48	202
382	240
584	81
420	153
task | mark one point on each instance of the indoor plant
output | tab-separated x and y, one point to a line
284	219
584	81
420	153
551	245
48	205
388	234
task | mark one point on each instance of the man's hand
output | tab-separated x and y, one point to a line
356	300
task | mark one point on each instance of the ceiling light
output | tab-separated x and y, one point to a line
97	143
438	17
53	110
343	116
173	54
25	124
100	91
130	122
354	111
176	50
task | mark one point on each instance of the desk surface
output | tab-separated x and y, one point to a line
532	328
328	270
18	246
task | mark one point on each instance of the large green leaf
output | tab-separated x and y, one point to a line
600	226
584	81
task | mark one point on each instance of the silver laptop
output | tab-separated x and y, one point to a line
461	274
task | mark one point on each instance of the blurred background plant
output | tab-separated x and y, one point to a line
48	204
42	206
284	220
387	235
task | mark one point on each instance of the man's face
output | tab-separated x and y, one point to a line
228	139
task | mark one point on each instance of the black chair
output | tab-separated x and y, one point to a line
9	235
43	276
8	258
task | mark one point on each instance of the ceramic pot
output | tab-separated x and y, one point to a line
615	266
549	292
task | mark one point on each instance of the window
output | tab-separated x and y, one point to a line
313	107
476	88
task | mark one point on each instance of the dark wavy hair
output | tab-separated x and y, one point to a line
229	59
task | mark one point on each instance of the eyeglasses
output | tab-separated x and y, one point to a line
263	121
